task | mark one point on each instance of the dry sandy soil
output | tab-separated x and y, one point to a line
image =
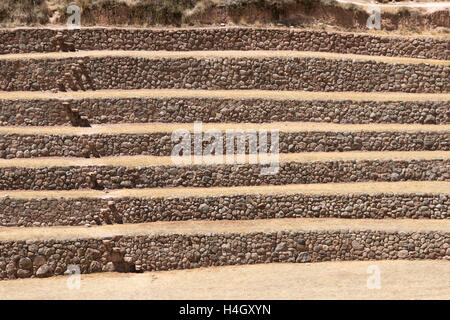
221	227
136	128
326	280
399	187
228	94
259	54
140	161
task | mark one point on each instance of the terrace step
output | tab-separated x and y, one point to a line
158	139
264	70
182	245
221	227
375	200
126	211
325	280
158	127
228	38
150	172
260	54
215	106
153	161
224	94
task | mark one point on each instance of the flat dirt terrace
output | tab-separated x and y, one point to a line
326	280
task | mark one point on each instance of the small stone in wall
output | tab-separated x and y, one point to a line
403	254
357	245
44	271
21	273
280	247
25	263
95	266
109	267
303	257
11	268
203	208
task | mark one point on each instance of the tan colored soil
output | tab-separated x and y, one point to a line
221	227
140	161
219	54
137	128
326	280
227	94
402	187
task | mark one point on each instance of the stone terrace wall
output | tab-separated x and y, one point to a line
116	177
44	258
308	74
43	40
160	144
142	110
98	211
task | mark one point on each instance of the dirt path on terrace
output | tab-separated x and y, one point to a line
402	187
325	280
222	227
285	54
140	161
226	94
153	127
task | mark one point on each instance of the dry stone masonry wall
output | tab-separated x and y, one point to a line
309	74
97	211
47	40
160	144
117	177
144	110
151	252
44	258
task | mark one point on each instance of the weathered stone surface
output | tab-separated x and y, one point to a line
178	251
303	257
204	208
143	110
95	266
109	267
357	245
44	258
42	40
22	273
160	144
402	254
44	271
25	263
112	177
52	212
280	247
308	74
39	260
